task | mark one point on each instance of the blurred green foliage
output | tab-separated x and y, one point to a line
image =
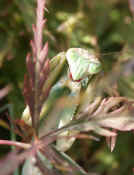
106	26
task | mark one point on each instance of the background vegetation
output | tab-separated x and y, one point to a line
106	26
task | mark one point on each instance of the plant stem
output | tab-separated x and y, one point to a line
14	143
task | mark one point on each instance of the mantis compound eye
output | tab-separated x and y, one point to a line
94	67
82	63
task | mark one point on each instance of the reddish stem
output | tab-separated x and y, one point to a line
14	143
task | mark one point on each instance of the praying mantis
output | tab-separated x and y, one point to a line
81	66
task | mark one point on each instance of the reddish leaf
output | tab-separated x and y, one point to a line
28	94
12	161
116	113
30	68
111	141
44	74
131	6
43	55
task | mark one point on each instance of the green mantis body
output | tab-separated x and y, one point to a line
81	65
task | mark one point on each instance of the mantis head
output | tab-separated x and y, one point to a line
82	63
